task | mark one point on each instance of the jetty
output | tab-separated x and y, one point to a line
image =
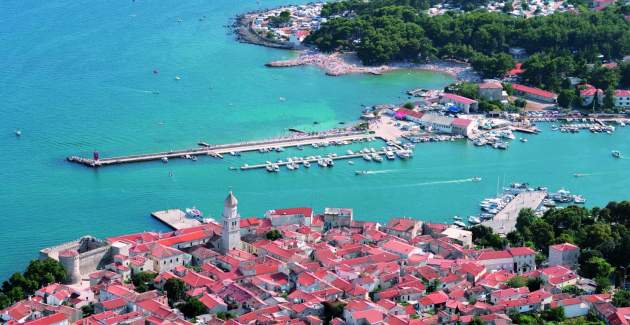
175	218
314	159
505	221
217	151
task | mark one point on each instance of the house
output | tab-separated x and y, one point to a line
461	102
337	217
524	259
491	90
401	249
621	98
573	307
213	303
408	115
461	236
462	126
281	217
433	301
588	94
533	93
54	319
496	260
405	228
564	254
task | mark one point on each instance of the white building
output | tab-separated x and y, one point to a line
564	254
231	231
464	237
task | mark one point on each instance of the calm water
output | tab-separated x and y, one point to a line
77	76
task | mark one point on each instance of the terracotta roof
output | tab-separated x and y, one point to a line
520	251
622	93
534	91
492	255
458	98
564	247
52	319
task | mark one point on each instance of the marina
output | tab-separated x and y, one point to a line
505	220
233	149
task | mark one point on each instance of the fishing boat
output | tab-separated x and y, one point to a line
474	220
459	224
360	172
616	153
476	179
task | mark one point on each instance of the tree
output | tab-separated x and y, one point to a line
273	234
525	219
534	284
4	301
544	234
609	102
224	315
553	314
621	298
143	281
87	310
603	284
566	97
408	105
516	282
193	308
596	267
476	321
332	309
175	290
573	290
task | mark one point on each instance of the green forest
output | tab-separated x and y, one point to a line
558	45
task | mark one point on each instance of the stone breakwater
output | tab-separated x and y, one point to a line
337	64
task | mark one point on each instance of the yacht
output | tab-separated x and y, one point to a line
350	152
473	220
290	166
367	157
549	203
459	224
480	142
269	168
322	163
279	149
330	162
376	157
616	153
193	158
578	199
299	147
404	154
194	213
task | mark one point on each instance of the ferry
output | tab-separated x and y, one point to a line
473	220
616	153
459	224
476	179
361	172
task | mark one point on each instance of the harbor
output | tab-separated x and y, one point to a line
217	151
505	221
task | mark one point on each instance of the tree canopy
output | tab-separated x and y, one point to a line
38	273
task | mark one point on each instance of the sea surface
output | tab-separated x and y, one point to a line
78	76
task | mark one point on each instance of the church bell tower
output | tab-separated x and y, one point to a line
231	232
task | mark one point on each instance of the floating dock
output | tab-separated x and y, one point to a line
176	219
314	160
505	221
218	150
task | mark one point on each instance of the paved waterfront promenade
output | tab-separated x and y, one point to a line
175	219
218	150
505	220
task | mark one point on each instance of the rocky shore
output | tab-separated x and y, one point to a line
244	34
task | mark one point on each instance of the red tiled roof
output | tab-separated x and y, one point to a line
622	93
308	212
461	122
458	98
520	251
52	319
113	303
534	91
402	112
491	255
563	247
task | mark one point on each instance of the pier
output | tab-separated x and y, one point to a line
314	160
206	149
175	218
505	221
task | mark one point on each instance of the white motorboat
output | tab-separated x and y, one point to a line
474	220
616	153
164	159
376	157
306	164
367	157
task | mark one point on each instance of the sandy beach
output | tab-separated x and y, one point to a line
337	64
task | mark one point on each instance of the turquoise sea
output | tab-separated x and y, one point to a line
76	76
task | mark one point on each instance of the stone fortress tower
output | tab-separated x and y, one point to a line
69	259
231	230
79	257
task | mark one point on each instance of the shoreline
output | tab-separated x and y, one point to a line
338	64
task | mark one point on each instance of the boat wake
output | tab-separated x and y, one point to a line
141	91
452	181
385	171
